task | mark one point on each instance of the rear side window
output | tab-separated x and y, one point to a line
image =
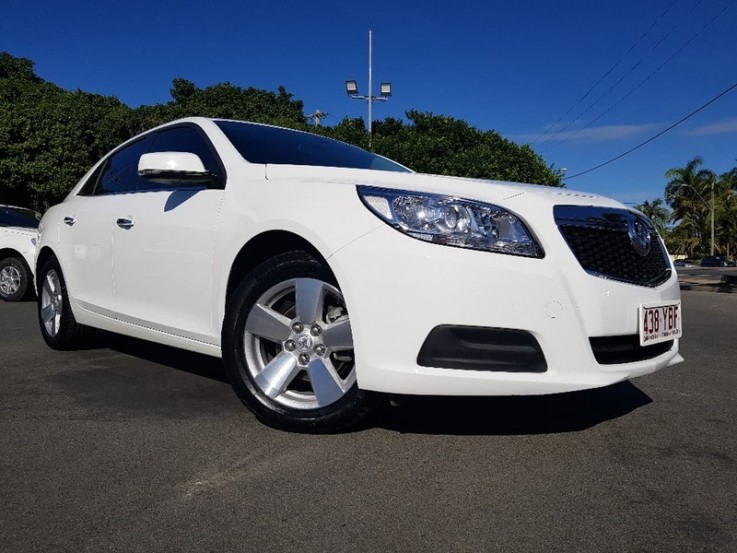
182	139
119	173
18	217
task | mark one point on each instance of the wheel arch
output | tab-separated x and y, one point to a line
265	246
44	254
6	253
10	252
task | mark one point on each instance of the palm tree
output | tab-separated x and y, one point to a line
657	212
689	194
685	193
726	220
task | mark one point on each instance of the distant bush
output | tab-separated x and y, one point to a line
50	137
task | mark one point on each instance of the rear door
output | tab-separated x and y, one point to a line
86	230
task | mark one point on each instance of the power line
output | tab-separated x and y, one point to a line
643	81
661	133
616	84
612	68
634	46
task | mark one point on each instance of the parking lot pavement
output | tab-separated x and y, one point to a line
134	447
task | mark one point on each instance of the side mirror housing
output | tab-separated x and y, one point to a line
174	169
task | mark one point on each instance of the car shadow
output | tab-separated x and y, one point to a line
551	414
175	358
519	415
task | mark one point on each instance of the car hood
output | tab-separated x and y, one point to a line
474	189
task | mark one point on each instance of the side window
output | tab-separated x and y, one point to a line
88	189
120	171
182	139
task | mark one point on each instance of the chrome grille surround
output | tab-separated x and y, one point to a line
616	244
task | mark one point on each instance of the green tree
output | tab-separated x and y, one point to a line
226	101
689	194
442	145
657	212
726	213
50	137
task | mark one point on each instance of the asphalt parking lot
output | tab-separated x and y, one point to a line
134	447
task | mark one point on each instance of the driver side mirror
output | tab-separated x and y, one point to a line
174	169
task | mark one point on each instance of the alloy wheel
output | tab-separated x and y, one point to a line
10	280
298	344
51	303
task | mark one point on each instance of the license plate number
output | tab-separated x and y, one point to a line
659	323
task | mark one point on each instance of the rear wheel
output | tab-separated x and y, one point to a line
59	328
13	279
288	347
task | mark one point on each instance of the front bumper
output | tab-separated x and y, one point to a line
399	289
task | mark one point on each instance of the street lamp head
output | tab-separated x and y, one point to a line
386	90
351	87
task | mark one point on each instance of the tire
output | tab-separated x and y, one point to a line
13	279
296	378
59	328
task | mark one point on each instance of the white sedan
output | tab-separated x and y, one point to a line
17	251
323	274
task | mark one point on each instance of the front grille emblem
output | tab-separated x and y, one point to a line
640	236
612	243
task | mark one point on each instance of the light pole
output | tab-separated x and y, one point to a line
385	90
712	208
317	117
712	216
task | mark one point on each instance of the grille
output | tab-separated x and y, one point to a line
604	242
613	350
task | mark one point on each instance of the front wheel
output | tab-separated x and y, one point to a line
288	347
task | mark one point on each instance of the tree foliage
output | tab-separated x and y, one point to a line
226	101
657	212
689	195
50	137
443	145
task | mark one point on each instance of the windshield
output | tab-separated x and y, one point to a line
264	144
18	217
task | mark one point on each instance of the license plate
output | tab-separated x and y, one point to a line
660	322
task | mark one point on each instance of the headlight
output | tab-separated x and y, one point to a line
452	221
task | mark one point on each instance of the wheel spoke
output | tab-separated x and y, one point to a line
267	323
325	381
51	281
338	335
310	294
278	374
48	313
47	289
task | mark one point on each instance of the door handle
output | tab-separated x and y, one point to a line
69	220
125	222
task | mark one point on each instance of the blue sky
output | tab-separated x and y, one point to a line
515	67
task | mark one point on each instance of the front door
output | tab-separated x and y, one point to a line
163	246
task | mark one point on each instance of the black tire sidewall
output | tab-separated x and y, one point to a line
345	412
71	334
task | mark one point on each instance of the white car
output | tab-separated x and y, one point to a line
322	273
17	251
